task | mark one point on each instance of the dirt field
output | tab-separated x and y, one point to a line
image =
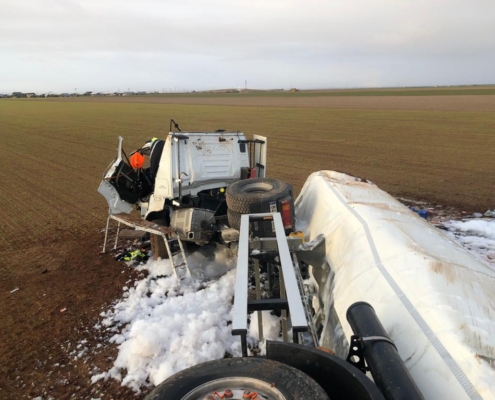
437	102
435	148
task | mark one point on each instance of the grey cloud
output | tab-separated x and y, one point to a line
305	43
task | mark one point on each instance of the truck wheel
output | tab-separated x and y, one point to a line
245	378
234	219
157	245
241	194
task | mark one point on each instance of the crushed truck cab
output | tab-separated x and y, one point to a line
197	185
196	161
188	164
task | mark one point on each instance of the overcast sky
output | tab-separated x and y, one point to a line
107	45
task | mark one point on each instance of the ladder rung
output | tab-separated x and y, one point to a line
181	252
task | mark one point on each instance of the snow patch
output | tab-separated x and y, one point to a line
475	227
271	329
167	326
271	325
477	236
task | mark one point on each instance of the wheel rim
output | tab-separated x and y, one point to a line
258	187
241	389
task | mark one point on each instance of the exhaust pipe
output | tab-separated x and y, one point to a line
387	368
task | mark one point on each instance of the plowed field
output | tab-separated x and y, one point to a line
53	152
438	102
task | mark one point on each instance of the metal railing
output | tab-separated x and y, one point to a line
289	302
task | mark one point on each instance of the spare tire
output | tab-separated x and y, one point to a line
234	219
241	194
241	376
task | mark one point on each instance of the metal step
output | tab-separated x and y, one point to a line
131	234
134	222
166	233
171	256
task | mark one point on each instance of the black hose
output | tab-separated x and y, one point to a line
172	122
389	371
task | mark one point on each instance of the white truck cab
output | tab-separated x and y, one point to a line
192	162
197	185
189	163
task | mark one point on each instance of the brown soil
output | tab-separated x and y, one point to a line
419	103
52	216
62	288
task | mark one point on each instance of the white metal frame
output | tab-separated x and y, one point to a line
288	280
154	229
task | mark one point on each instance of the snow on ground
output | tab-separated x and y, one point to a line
271	328
271	325
162	327
476	235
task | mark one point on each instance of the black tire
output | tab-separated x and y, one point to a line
234	219
241	194
157	244
290	382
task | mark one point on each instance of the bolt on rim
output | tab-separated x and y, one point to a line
235	388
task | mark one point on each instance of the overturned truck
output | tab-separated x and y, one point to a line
193	187
374	302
